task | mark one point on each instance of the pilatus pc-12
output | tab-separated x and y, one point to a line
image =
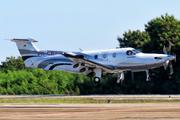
100	62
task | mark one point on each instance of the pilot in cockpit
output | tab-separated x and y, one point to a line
129	52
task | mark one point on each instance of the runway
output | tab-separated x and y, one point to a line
113	111
123	111
95	97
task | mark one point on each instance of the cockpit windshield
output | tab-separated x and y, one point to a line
136	51
132	52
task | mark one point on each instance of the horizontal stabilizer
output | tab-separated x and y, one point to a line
23	40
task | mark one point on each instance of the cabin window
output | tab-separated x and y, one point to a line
114	55
96	56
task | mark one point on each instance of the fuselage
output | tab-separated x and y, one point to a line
122	59
99	62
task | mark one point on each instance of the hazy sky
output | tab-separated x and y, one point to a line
72	24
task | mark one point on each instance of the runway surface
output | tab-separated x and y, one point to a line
112	111
123	111
95	97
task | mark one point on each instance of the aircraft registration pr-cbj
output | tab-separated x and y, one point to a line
99	62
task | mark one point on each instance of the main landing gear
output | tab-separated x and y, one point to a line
97	79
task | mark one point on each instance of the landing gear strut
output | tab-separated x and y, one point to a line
140	70
97	78
120	78
147	76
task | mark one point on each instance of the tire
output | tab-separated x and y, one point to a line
148	79
97	79
119	82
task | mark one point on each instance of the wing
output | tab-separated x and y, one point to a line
80	60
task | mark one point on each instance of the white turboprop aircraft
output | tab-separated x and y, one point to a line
99	62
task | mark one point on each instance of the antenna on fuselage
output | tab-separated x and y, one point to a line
80	49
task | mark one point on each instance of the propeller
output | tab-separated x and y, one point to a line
175	57
164	50
171	68
166	64
168	61
170	45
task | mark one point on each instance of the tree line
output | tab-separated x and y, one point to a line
15	78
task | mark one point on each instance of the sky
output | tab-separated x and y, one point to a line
68	25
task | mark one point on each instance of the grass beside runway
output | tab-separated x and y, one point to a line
83	100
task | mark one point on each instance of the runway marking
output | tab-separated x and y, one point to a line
127	109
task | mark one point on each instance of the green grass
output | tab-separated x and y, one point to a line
84	100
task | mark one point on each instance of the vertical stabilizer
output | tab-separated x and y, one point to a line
26	48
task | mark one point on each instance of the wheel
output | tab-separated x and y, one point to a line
97	79
148	79
119	81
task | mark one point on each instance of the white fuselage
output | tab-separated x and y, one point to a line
99	62
116	57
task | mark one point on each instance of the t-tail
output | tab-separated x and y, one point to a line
27	49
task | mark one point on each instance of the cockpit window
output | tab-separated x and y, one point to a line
129	52
136	51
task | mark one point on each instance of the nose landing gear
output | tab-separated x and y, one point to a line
120	78
140	70
147	76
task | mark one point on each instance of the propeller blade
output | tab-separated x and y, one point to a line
175	57
166	64
170	45
171	68
164	50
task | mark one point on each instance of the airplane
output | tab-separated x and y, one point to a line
90	63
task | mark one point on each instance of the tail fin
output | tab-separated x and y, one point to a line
26	47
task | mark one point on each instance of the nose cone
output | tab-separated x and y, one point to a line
171	57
